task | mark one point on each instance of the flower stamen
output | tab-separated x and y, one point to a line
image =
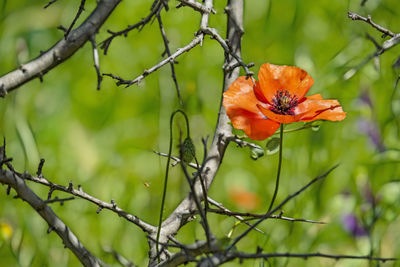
284	103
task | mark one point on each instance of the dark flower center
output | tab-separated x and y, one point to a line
283	103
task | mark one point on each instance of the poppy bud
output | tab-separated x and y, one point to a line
188	150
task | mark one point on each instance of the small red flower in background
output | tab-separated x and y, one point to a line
279	97
244	199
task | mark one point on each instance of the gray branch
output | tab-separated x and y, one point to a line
223	132
61	51
112	206
70	240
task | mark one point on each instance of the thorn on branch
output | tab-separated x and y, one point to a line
40	167
113	204
51	190
3	91
156	8
5	161
62	28
99	209
50	229
40	76
8	190
70	186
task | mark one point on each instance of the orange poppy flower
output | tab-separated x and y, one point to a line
279	97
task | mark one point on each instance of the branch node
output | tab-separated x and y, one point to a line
114	205
70	186
62	28
50	229
3	91
99	209
51	190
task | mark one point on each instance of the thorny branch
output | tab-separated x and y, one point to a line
61	51
219	258
156	8
176	159
252	216
205	10
269	213
70	240
196	41
112	206
380	49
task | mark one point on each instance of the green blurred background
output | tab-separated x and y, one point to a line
104	140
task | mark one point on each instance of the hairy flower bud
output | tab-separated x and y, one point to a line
188	150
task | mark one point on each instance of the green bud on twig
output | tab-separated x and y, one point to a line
188	150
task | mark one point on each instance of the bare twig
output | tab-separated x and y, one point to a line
50	3
101	204
176	159
368	20
156	8
171	63
70	240
242	143
255	216
220	258
194	194
268	214
196	41
214	34
78	14
223	210
372	39
196	6
60	200
96	61
121	259
60	51
380	49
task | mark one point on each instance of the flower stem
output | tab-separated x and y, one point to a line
166	174
279	169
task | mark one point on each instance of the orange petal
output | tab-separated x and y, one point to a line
293	79
259	94
240	95
240	103
321	109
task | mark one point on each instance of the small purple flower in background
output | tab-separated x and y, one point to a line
368	126
365	98
353	226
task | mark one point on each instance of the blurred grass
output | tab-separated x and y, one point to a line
104	139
